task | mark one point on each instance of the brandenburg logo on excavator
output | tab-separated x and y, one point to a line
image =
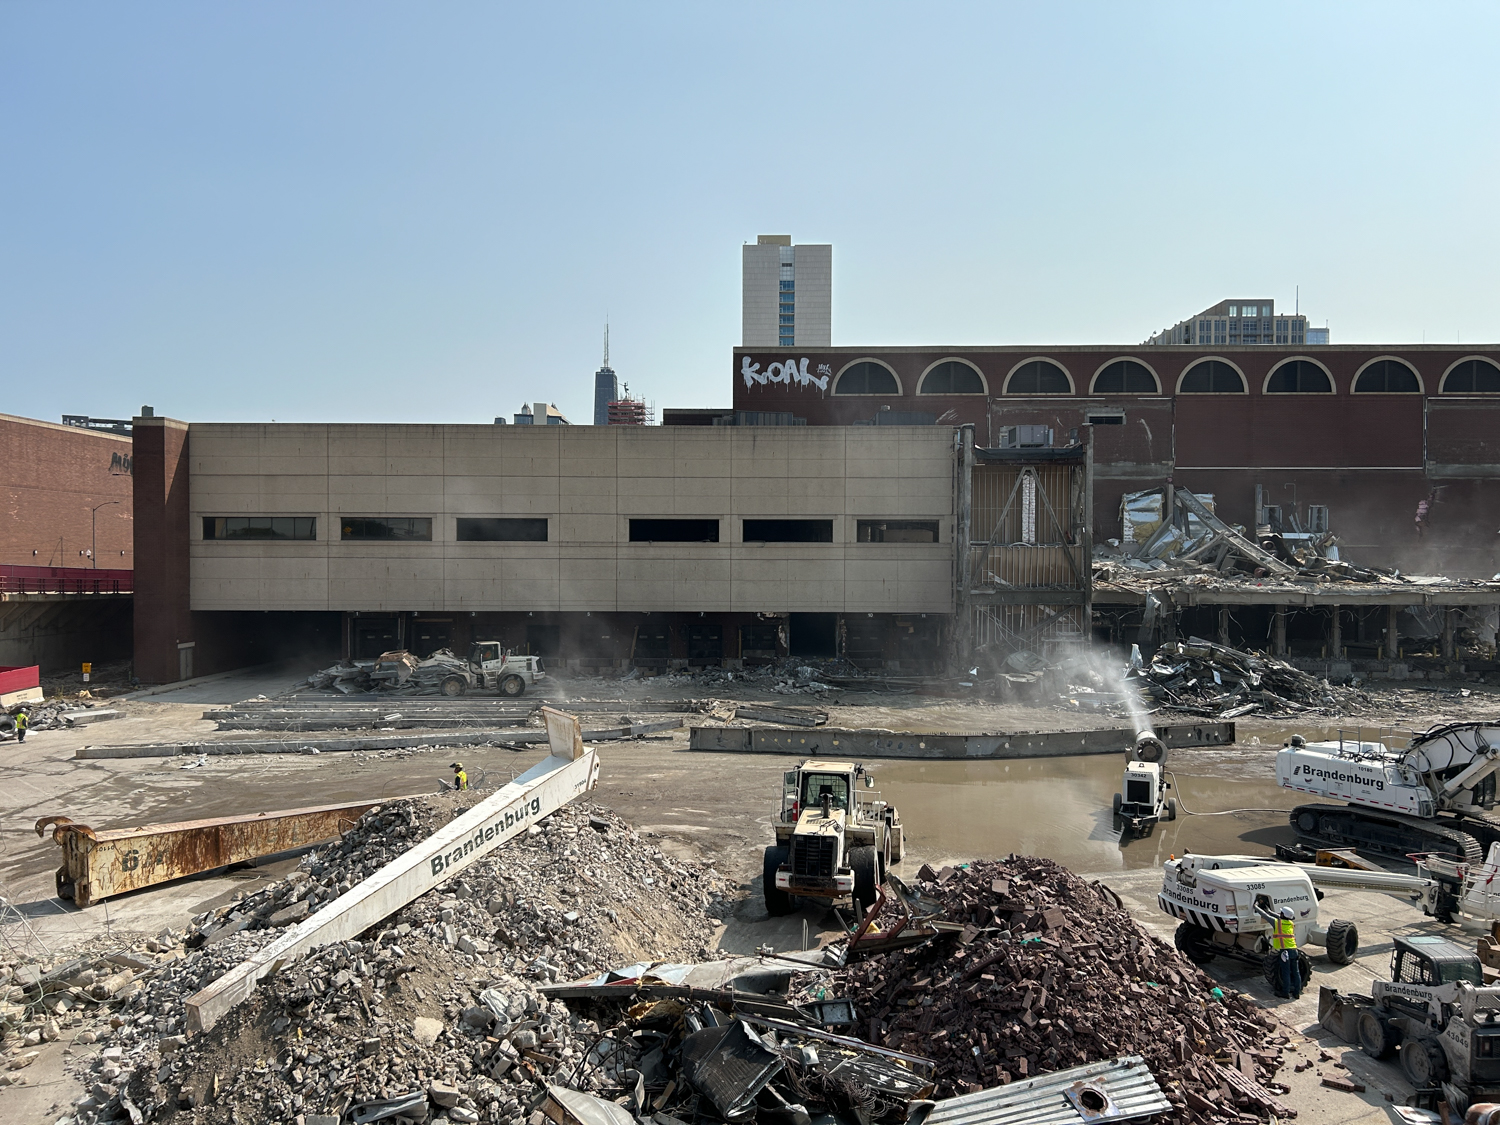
1305	770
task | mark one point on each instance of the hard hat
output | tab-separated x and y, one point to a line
456	766
1286	912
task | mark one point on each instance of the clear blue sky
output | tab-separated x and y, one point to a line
424	212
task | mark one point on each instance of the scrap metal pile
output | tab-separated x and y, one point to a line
1191	546
1050	971
1201	678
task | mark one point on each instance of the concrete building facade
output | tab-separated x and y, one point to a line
786	293
597	545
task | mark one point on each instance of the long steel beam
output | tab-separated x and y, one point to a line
567	772
832	741
100	863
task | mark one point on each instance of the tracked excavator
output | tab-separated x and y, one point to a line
1431	797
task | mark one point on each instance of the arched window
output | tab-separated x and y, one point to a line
1039	377
1125	377
1211	377
1472	377
1387	376
952	377
1299	377
867	378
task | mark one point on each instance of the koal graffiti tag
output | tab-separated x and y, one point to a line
792	371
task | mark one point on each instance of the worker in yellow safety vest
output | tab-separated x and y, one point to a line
460	777
23	722
1284	949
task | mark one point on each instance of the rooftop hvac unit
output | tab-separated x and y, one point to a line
1025	437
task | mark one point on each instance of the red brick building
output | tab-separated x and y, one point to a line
1367	431
52	478
67	543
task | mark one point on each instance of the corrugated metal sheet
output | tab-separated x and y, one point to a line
1109	1091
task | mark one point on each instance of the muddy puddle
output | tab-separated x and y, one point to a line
1062	808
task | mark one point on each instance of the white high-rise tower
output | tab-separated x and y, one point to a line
787	294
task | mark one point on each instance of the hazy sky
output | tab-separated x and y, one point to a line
424	212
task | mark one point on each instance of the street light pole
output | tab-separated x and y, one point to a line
94	530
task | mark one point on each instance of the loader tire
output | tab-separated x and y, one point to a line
1171	808
1376	1038
1343	941
1119	800
777	902
1194	942
1423	1063
866	864
453	687
512	685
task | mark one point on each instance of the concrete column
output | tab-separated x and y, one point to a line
1279	635
1224	625
1335	636
1392	632
1450	621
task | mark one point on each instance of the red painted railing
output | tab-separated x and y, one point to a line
64	580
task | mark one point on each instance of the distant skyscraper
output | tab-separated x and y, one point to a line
787	294
606	386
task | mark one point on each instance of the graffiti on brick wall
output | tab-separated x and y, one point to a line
120	464
792	371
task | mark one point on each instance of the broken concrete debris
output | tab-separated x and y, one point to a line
392	671
1198	677
439	999
52	715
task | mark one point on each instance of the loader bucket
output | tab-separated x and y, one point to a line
1339	1013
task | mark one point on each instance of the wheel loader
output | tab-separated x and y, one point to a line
1435	1012
489	668
833	840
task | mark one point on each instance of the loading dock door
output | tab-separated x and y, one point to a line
372	636
705	643
429	636
864	640
653	644
543	640
814	634
758	643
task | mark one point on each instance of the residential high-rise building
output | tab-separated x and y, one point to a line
606	386
1237	323
787	293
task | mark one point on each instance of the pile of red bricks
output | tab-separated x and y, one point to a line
1051	972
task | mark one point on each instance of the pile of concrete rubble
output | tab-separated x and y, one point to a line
1049	972
1198	677
51	715
416	1007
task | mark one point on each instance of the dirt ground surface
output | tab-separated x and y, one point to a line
709	806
